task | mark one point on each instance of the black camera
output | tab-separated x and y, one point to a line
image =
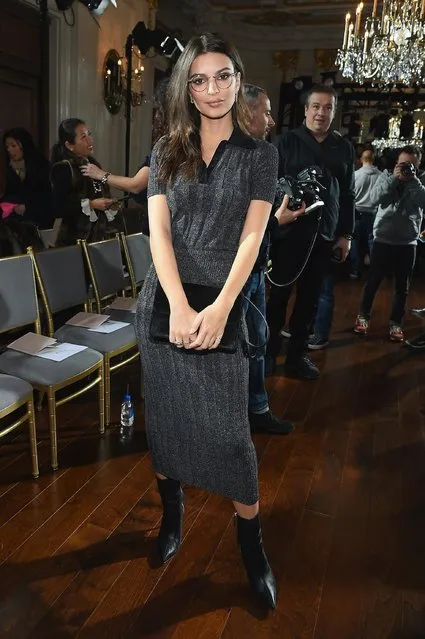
304	188
407	169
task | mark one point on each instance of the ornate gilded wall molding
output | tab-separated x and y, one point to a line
325	59
287	61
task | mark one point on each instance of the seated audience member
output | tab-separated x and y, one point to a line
365	178
83	206
137	185
27	179
400	197
15	234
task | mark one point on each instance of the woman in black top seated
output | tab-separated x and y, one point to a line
83	205
27	179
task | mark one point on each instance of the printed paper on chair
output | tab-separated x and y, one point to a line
31	343
87	320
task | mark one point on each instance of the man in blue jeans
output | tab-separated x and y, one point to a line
365	178
261	417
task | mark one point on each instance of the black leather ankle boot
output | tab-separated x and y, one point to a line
170	533
258	569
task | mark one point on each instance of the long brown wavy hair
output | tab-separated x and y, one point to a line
160	115
180	152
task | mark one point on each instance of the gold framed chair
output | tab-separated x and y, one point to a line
15	393
106	269
19	309
62	283
138	257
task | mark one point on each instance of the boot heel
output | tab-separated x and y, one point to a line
170	532
256	564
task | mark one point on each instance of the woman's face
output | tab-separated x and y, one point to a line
83	143
14	149
213	84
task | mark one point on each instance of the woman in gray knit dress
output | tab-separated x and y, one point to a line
210	192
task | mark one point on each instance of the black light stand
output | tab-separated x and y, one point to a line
128	102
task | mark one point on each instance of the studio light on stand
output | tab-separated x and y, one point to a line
96	7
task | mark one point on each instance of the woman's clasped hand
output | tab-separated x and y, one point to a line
198	331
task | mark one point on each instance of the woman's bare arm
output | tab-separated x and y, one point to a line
134	184
162	249
249	245
164	259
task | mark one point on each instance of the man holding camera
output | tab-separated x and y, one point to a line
261	418
401	199
302	251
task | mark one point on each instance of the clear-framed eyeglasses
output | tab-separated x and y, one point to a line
222	80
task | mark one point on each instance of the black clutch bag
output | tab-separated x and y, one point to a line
198	297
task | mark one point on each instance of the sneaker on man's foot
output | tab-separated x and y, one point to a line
269	423
396	333
361	326
302	369
416	343
419	312
354	275
286	333
316	343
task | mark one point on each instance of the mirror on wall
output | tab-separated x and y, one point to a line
113	88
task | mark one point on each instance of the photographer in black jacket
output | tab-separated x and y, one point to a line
302	251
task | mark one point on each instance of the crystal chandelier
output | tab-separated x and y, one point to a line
386	47
393	141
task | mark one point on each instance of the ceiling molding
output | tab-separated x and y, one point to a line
264	25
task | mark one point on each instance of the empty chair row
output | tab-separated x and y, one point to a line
61	280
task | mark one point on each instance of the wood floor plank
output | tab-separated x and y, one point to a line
74	500
31	518
341	610
111	532
325	490
50	577
382	600
409	571
124	612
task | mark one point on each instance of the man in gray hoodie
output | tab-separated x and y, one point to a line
365	178
401	199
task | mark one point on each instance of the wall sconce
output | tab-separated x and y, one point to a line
115	80
113	95
137	70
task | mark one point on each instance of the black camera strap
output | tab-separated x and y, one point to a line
320	161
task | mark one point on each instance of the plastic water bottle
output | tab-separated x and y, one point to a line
127	417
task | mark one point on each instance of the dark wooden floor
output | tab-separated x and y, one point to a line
343	508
